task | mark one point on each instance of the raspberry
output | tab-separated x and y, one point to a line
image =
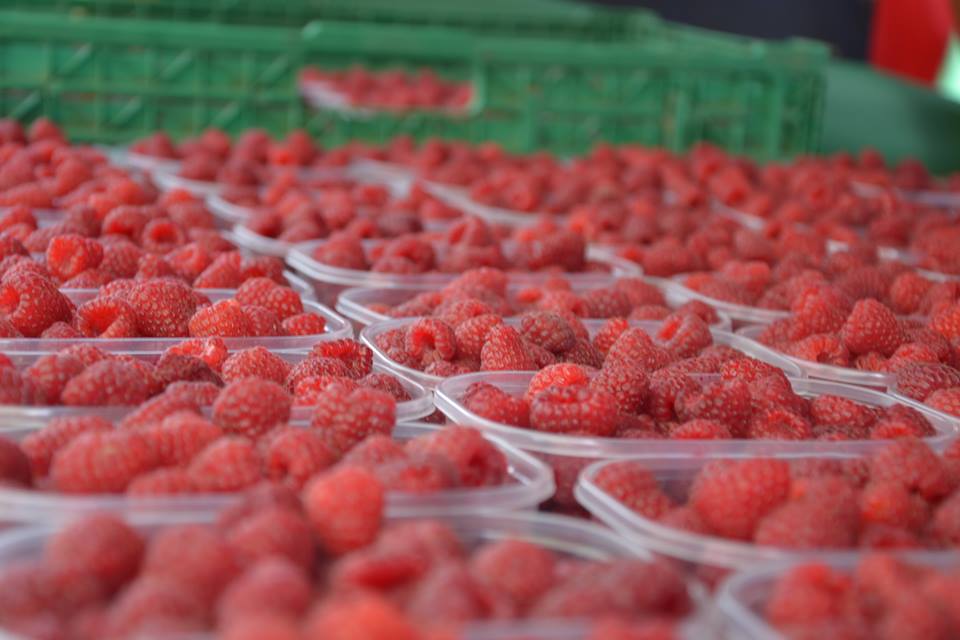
161	482
608	334
828	411
907	291
262	321
345	417
559	375
749	370
684	335
888	502
101	546
179	437
418	474
733	496
201	394
665	387
357	357
345	507
224	318
251	407
519	569
272	585
31	303
264	292
779	424
106	383
492	403
871	326
278	530
547	330
726	401
818	310
606	303
919	380
107	318
807	525
454	312
702	430
227	464
947	322
193	557
375	450
946	400
49	375
294	454
100	462
504	350
945	524
478	462
635	348
163	308
574	410
69	254
362	615
824	348
633	485
255	362
430	340
471	334
628	385
14	465
303	324
153	604
386	383
807	593
914	464
40	446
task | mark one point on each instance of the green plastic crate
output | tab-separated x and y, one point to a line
109	80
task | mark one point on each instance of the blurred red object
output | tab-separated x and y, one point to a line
909	37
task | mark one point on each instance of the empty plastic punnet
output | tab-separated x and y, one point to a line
530	483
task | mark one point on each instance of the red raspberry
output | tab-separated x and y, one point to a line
888	502
907	291
316	367
749	370
430	340
357	357
829	411
556	375
153	604
255	626
519	569
101	462
40	446
478	462
152	267
575	410
251	407
915	465
347	416
361	615
273	530
172	367
779	424
418	474
807	593
304	324
49	375
606	303
375	450
227	464
635	348
179	437
871	326
945	524
666	386
264	292
271	586
386	383
821	347
101	546
726	401
213	351
107	383
31	303
222	273
471	334
547	330
608	334
946	400
162	482
492	403
947	322
684	335
308	389
263	321
163	307
69	254
345	507
256	362
193	557
454	312
224	318
732	496
634	485
504	350
201	394
14	465
919	380
107	318
808	525
295	454
628	385
817	310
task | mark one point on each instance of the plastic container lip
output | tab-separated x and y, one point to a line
460	199
833	373
300	259
15	417
449	393
928	197
337	328
531	483
125	157
169	180
750	221
322	95
369	334
738	312
739	596
352	303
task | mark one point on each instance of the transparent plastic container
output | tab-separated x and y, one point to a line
354	303
336	329
13	418
743	596
168	180
530	484
460	199
742	315
927	197
124	157
833	373
753	349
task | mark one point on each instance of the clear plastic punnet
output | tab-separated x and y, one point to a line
530	483
125	157
742	315
354	304
368	335
14	418
495	215
742	597
833	373
336	328
329	281
570	537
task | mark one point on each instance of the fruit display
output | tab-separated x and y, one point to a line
360	89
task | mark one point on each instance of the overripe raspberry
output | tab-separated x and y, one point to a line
303	324
255	362
179	437
48	376
504	350
193	557
295	454
634	485
264	292
576	410
105	383
431	340
344	417
345	508
733	496
100	545
227	464
919	380
493	403
224	318
547	330
31	303
251	407
68	255
40	446
477	461
628	385
356	356
101	462
163	307
271	586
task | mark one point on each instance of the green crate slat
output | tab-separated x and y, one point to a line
111	79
